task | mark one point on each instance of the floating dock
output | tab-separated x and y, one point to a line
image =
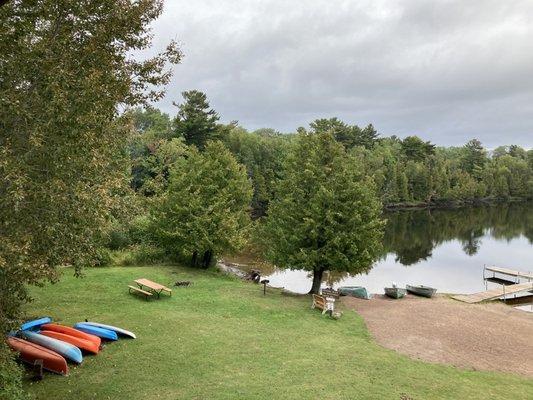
494	293
510	272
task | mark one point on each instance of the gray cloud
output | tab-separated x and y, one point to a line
446	70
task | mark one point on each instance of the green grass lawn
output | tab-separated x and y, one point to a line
222	339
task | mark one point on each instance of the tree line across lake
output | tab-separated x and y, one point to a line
405	172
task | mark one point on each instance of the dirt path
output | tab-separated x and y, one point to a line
479	336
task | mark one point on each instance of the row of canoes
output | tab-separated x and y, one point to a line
53	344
394	291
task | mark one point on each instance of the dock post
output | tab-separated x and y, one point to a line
504	296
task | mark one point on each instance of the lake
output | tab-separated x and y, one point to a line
445	249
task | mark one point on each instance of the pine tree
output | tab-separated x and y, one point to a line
324	217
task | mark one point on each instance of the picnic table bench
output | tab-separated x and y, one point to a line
134	289
153	287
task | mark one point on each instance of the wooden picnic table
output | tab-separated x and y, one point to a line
152	286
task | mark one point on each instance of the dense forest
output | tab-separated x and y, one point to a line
406	172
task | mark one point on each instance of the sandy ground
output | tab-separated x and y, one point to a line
478	336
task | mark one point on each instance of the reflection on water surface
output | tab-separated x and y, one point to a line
446	249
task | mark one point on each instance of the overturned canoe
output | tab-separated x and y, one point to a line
421	290
65	349
35	323
96	331
355	291
395	292
119	331
67	330
80	343
31	352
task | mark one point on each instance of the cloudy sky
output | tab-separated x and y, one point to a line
446	70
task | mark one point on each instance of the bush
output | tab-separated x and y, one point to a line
118	239
103	258
10	376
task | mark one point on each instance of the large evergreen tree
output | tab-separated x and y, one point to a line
205	209
196	122
324	217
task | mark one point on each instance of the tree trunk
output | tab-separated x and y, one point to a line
207	258
194	259
317	280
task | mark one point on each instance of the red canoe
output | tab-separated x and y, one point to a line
83	344
67	330
30	352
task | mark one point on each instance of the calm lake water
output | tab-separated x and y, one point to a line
445	249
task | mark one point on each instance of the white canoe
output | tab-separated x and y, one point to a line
120	331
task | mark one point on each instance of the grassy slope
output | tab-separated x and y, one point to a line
221	339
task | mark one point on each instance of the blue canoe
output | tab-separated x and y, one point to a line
96	331
65	349
35	324
119	331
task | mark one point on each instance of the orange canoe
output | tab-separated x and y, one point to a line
67	330
82	344
30	352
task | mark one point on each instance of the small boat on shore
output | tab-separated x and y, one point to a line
35	323
354	291
94	330
80	343
31	352
67	350
421	290
395	292
67	330
119	331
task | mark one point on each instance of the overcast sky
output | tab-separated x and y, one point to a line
446	70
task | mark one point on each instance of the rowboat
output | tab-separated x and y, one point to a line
67	330
80	343
395	292
355	291
119	331
421	290
35	323
96	331
65	349
30	352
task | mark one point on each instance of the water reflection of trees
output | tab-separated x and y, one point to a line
412	235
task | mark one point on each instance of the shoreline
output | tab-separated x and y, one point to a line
453	204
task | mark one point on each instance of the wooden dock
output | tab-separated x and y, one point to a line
494	293
510	272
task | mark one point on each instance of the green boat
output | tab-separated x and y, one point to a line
354	291
395	292
421	290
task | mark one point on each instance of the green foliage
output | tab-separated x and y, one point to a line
474	156
416	149
65	71
204	210
349	135
262	152
324	216
195	122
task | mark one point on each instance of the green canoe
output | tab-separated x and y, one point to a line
395	292
355	291
421	290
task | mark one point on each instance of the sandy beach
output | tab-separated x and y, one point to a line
489	336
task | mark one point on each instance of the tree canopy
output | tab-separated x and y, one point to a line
195	121
205	209
324	215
